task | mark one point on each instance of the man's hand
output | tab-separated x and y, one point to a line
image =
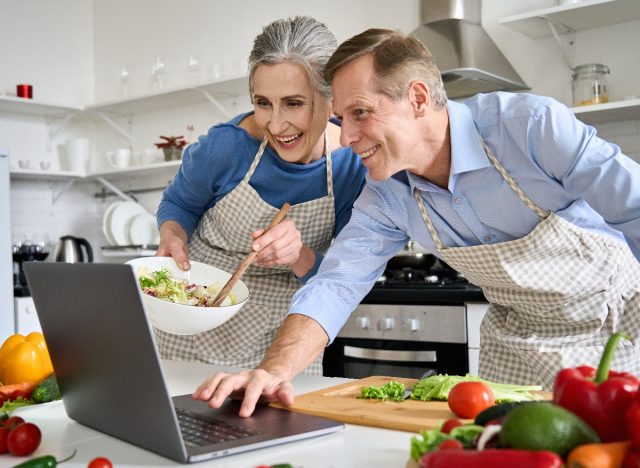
299	341
258	385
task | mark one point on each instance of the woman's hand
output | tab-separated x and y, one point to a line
174	243
282	245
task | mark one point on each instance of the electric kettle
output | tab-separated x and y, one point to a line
69	250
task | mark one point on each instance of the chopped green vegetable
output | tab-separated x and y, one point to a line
437	387
47	390
390	391
433	438
9	405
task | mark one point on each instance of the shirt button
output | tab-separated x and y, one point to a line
458	201
487	238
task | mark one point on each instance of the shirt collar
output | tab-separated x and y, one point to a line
467	153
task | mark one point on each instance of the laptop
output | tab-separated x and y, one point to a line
111	379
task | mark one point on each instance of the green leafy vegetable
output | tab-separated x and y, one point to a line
437	387
46	391
390	391
427	441
9	405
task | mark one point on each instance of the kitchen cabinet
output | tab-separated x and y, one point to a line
581	16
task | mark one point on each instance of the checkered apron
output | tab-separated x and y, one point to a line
223	238
556	295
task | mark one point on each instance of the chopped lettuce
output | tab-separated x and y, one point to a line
437	387
390	391
427	441
161	285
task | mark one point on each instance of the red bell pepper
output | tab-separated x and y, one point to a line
600	397
493	458
632	419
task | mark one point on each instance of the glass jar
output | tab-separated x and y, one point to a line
590	84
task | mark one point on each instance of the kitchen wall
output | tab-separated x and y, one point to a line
74	52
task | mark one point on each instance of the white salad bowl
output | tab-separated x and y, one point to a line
182	319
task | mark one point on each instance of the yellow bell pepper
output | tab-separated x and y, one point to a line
24	359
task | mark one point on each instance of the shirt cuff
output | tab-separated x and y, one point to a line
314	268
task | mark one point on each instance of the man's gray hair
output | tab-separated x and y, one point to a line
398	60
300	40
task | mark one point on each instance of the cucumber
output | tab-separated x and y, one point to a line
496	412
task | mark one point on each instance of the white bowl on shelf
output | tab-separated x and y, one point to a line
182	319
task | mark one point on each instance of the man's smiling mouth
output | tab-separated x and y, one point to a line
368	153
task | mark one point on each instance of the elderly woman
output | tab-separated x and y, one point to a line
233	181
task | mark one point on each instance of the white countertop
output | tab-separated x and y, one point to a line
356	446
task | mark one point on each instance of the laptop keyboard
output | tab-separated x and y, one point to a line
198	432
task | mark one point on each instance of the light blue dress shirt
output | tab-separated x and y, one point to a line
558	161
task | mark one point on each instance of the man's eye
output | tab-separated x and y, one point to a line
360	113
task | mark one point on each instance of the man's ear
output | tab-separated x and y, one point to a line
419	97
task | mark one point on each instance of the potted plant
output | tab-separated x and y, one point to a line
172	147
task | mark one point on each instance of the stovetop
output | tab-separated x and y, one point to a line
438	285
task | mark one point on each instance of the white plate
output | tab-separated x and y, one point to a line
121	218
143	229
106	220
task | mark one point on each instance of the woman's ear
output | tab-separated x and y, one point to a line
419	96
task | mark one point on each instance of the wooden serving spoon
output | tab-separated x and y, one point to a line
247	260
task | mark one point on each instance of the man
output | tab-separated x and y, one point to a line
509	189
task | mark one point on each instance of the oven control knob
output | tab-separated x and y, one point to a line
363	322
414	324
386	324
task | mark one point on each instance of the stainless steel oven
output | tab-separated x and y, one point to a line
413	321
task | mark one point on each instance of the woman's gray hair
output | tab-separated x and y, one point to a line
300	40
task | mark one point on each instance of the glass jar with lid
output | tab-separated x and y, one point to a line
590	84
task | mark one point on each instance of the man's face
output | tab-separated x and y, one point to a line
380	130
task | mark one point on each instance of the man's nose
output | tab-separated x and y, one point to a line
348	135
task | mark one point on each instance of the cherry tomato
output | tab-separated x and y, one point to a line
450	424
24	439
4	432
19	394
12	422
468	399
451	444
100	462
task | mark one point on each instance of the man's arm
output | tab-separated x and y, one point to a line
299	341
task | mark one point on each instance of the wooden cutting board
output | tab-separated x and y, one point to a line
341	403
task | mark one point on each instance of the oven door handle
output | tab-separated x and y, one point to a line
389	354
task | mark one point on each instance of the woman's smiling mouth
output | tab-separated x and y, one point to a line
289	140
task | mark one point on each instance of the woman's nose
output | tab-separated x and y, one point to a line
277	122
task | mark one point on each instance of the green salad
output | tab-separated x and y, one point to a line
162	285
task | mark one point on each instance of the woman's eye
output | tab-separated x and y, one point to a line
294	104
262	103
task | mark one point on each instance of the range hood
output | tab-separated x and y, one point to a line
468	60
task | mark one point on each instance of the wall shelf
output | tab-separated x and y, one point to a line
175	97
33	107
609	112
111	174
586	14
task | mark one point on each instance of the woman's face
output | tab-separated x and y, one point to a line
289	112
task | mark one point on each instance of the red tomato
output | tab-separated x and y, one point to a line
451	444
24	439
468	399
4	432
12	422
100	462
450	424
